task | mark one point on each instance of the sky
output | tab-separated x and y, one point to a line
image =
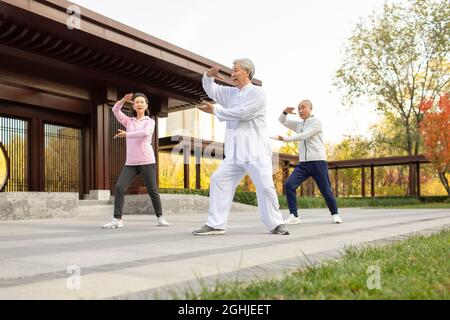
296	47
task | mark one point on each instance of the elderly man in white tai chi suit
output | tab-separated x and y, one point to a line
247	149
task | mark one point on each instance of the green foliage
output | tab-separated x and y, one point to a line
318	202
290	147
351	147
396	59
389	138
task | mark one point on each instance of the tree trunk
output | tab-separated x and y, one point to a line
417	138
444	181
408	140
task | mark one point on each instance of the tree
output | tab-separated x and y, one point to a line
62	159
351	147
290	147
16	148
434	128
397	59
388	137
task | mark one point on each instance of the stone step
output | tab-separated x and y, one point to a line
82	203
176	204
97	195
171	203
94	210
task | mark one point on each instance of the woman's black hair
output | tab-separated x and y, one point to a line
139	94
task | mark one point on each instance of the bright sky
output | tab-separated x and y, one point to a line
296	46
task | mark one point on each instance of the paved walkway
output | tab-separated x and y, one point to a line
145	261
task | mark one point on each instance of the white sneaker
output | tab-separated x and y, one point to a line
292	220
336	218
162	222
114	224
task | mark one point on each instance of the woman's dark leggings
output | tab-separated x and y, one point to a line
148	173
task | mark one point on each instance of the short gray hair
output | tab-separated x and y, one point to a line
306	101
247	65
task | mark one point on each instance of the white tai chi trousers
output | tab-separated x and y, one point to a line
223	184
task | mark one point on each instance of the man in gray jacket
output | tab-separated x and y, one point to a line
312	156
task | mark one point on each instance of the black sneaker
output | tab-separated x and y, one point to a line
207	230
281	230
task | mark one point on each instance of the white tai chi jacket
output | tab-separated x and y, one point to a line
246	138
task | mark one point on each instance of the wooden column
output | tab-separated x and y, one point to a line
107	142
198	160
198	171
336	183
100	135
372	181
155	144
284	173
309	187
186	158
158	107
36	155
363	182
411	180
86	147
100	158
418	179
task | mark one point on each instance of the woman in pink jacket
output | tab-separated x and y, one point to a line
140	156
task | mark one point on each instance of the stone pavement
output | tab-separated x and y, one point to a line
40	259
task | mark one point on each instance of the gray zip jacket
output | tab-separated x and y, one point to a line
309	133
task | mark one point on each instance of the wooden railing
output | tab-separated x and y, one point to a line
189	146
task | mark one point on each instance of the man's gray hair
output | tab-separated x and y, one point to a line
247	65
307	102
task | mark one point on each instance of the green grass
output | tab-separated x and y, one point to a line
417	268
432	205
388	202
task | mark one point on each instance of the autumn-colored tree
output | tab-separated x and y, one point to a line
434	128
62	159
17	153
396	59
290	147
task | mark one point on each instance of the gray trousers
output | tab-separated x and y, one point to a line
148	173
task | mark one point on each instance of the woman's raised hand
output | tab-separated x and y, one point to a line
127	97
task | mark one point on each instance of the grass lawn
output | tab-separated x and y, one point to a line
432	205
400	203
417	268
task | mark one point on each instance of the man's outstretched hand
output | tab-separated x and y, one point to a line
279	138
214	72
289	110
206	107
